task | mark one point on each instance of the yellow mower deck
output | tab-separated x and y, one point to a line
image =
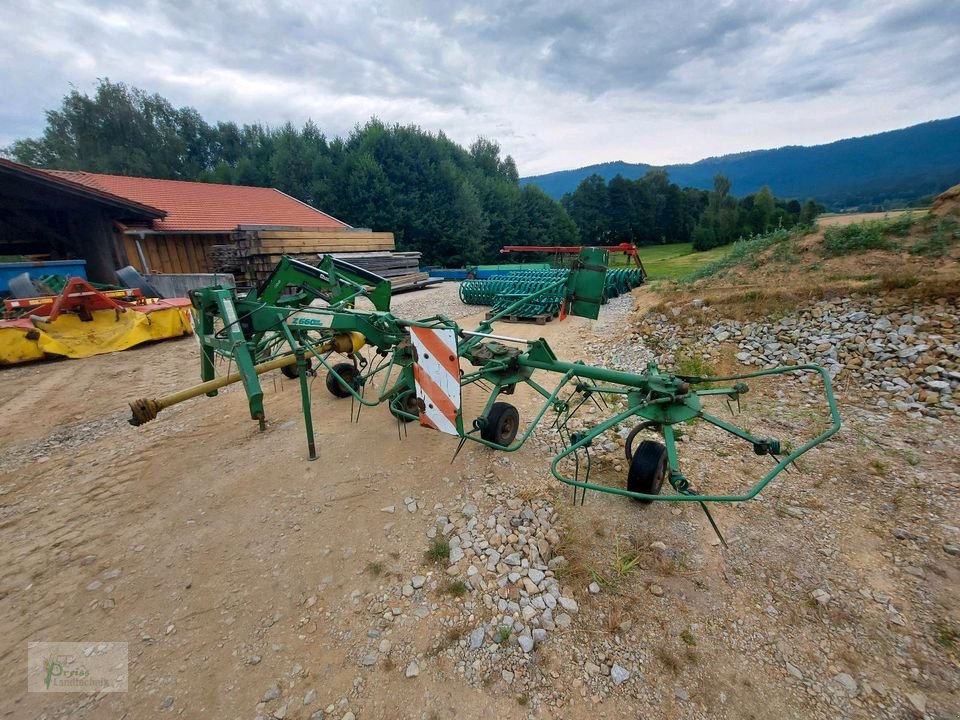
28	339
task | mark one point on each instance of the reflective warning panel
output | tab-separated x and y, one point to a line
437	376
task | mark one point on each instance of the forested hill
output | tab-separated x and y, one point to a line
885	169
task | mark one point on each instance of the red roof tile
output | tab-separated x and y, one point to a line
206	207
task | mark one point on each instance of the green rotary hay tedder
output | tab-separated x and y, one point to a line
419	369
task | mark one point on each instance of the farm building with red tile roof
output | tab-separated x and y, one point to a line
165	226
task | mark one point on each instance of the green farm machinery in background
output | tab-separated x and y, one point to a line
502	291
420	369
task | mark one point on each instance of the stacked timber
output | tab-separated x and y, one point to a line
225	258
260	247
402	269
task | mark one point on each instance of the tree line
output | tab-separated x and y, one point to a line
456	205
651	210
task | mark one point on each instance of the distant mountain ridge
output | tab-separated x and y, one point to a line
889	167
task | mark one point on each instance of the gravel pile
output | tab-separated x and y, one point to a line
496	591
906	356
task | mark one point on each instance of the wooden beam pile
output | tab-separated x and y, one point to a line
260	247
224	258
402	269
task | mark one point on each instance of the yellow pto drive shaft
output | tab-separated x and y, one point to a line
145	409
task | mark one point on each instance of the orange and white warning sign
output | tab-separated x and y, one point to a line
436	373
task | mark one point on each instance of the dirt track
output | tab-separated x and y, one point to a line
243	565
217	529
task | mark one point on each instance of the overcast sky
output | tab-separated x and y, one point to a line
559	84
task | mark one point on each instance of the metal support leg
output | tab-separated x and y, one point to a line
204	329
305	397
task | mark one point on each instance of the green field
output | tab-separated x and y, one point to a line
670	262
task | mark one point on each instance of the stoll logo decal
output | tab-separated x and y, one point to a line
77	667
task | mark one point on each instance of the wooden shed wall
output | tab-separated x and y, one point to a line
174	253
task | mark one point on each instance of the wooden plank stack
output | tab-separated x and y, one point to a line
260	247
402	269
225	258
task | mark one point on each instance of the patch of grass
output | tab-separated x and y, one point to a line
897	281
572	548
670	661
944	232
865	236
522	700
688	638
375	568
624	561
946	637
598	578
694	365
786	252
501	635
438	550
614	618
456	588
742	251
877	467
676	260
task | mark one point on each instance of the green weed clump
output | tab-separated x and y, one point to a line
456	588
944	232
694	365
865	236
897	281
438	550
742	251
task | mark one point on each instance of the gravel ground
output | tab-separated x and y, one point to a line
443	298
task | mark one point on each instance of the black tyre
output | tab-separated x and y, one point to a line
349	373
502	424
409	404
293	371
648	469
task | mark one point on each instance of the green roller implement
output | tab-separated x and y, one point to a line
500	291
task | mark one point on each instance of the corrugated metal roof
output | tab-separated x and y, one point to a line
206	207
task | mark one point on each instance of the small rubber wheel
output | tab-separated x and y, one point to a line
502	424
648	469
293	371
410	405
349	373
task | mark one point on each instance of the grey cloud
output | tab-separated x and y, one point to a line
524	71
